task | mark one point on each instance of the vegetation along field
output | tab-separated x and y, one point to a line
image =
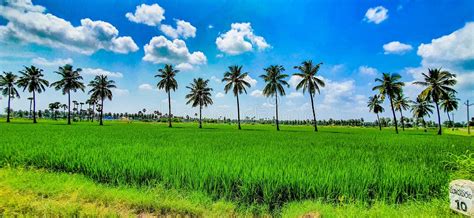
252	168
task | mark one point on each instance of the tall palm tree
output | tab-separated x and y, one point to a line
235	80
310	82
199	95
101	89
449	103
7	85
92	102
168	83
32	79
439	83
375	105
70	81
401	103
421	108
390	87
275	81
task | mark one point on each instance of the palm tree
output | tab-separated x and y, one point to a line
92	102
7	85
310	82
64	107
421	108
101	89
375	105
390	86
235	80
401	103
199	95
275	81
53	107
168	83
438	85
449	103
70	81
32	79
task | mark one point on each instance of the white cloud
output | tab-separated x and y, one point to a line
294	80
99	71
250	80
151	15
121	92
295	95
368	71
219	55
215	79
337	93
183	29
376	15
268	105
220	95
257	93
184	67
29	23
51	63
163	51
210	26
145	87
337	68
239	39
224	106
396	47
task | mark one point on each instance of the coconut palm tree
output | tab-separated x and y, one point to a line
70	81
199	95
235	80
449	103
168	83
275	81
390	87
401	103
375	105
421	108
310	83
92	102
7	85
439	83
101	89
53	107
32	79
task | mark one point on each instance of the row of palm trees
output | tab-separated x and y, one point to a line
438	89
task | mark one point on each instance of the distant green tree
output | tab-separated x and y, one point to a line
7	86
449	103
401	103
310	82
70	81
421	108
375	105
439	84
101	89
199	95
235	80
31	79
275	81
390	86
168	83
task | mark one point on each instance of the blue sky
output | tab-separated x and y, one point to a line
356	41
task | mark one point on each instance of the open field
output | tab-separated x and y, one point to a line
256	167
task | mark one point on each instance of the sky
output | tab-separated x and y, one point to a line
129	41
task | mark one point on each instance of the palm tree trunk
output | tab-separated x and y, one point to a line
424	123
200	116
394	117
403	123
101	111
276	112
169	109
238	111
68	107
378	120
34	107
439	118
29	114
449	119
314	113
93	111
8	108
453	122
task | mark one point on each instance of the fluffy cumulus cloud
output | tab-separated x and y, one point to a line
250	80
294	80
239	39
145	87
183	30
29	23
396	47
376	15
151	15
51	63
220	95
338	93
256	93
99	71
368	71
163	51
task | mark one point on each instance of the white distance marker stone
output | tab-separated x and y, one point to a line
461	196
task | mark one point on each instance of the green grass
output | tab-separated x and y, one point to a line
255	166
